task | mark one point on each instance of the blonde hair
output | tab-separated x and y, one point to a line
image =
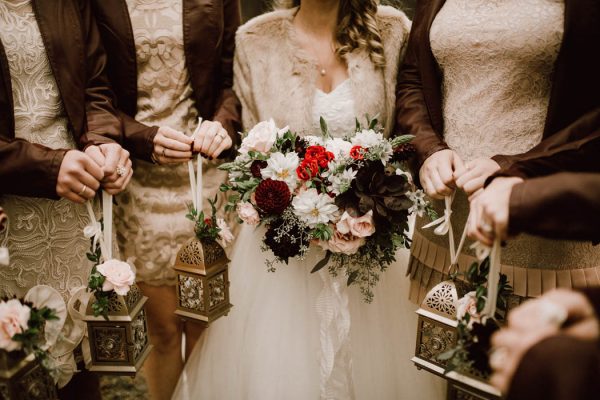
356	28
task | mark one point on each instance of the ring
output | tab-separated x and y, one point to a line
121	170
486	228
553	313
498	357
82	191
163	152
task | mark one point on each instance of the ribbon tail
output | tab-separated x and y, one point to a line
493	280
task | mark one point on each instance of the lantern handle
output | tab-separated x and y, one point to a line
196	178
103	236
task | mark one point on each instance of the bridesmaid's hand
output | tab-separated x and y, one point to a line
114	161
472	176
489	213
171	146
212	139
437	173
79	177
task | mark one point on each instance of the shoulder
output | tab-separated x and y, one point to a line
270	25
392	23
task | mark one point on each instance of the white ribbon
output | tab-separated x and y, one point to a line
196	178
334	325
94	229
493	279
4	253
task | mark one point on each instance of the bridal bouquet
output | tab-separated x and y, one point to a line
350	196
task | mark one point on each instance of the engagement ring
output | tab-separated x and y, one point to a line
121	170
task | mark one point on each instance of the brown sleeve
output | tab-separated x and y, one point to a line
412	115
103	123
593	295
138	138
228	111
560	206
575	148
28	169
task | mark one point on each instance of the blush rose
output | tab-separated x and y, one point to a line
14	319
119	276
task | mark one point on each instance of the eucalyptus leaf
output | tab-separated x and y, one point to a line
321	264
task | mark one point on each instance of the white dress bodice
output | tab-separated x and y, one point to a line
45	237
497	59
337	108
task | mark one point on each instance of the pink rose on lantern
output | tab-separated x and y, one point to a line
340	243
118	276
248	213
360	227
468	305
225	233
14	319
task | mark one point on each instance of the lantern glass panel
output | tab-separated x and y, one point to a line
217	289
110	344
191	293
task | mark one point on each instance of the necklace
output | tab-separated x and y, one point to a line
320	65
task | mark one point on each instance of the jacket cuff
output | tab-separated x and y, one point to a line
517	215
503	161
47	186
593	295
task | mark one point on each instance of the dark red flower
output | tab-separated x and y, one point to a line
300	147
325	158
208	221
307	169
272	197
256	167
314	152
404	152
357	153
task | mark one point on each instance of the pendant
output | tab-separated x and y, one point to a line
323	72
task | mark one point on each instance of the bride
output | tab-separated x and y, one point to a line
292	334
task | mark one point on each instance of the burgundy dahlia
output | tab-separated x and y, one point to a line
272	197
404	152
256	167
285	239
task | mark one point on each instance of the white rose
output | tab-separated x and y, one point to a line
119	276
367	138
339	147
14	319
248	213
262	137
468	305
225	233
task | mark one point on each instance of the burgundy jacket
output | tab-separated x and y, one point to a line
209	28
78	61
575	85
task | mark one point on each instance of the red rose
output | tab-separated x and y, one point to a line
357	153
325	158
208	221
314	152
307	169
272	197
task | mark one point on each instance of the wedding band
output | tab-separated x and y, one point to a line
552	313
82	191
121	170
163	152
498	357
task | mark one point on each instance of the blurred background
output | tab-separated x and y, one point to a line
252	8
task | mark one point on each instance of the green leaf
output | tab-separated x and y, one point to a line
352	278
324	128
321	264
481	291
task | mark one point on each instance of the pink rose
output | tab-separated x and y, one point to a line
225	233
360	227
261	137
119	276
340	243
248	213
468	305
14	319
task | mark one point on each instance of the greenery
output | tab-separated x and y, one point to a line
32	338
96	281
206	228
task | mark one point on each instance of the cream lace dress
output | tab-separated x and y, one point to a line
151	223
45	237
295	335
497	59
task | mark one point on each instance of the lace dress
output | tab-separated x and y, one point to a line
497	59
150	218
45	237
296	336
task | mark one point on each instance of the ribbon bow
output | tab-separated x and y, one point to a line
443	223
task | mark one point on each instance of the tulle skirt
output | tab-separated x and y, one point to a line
270	346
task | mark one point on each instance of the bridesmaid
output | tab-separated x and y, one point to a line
54	100
482	77
170	62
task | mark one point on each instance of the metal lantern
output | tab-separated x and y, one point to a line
202	281
120	344
437	333
22	377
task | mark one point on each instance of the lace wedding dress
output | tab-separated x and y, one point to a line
298	336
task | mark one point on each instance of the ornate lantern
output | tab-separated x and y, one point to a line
202	281
120	344
22	377
437	333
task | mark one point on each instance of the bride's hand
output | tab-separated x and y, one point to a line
171	146
436	174
472	176
212	139
79	177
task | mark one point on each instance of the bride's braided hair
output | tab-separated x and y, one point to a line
356	28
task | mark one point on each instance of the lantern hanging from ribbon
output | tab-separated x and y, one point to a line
22	377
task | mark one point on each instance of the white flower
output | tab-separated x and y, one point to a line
313	208
401	172
314	140
468	305
339	147
248	213
282	167
340	183
14	319
262	137
367	138
118	276
419	202
225	233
